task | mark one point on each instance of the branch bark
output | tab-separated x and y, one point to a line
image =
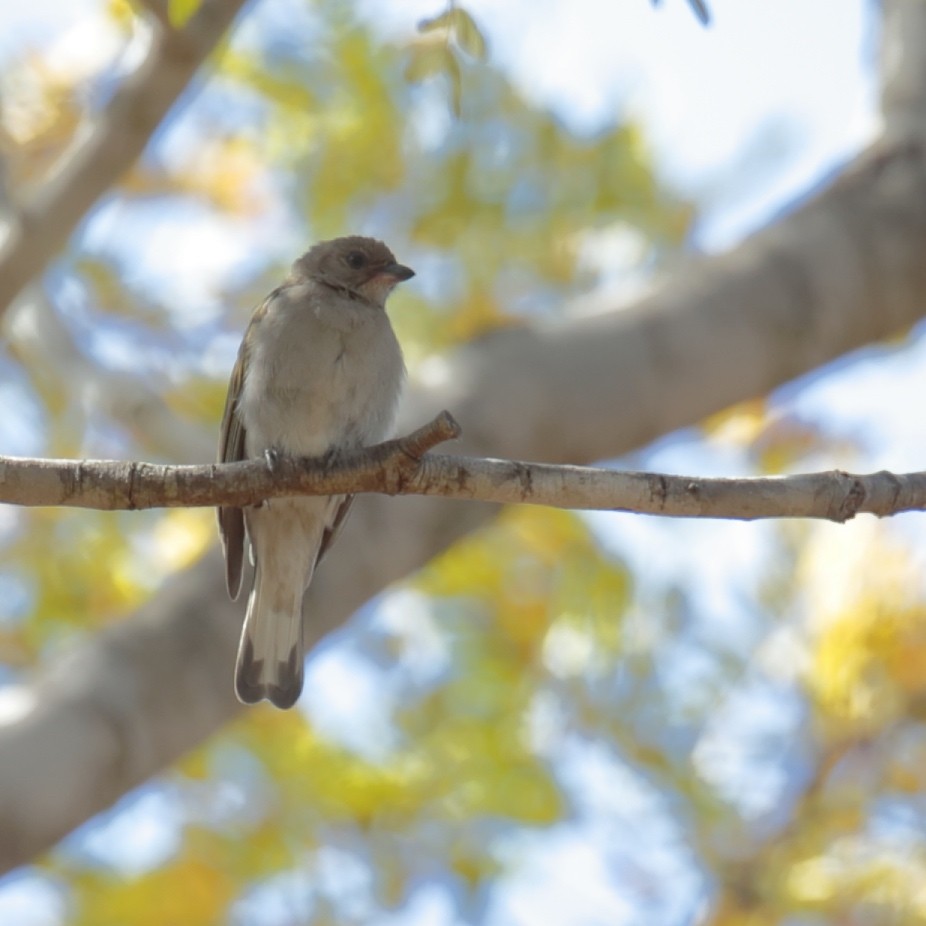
404	467
903	69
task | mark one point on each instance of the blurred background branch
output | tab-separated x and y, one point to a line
41	226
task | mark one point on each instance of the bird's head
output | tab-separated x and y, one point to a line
364	267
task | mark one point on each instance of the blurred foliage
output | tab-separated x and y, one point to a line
522	645
180	11
436	52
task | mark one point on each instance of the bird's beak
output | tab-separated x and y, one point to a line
398	272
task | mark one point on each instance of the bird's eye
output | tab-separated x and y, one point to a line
356	259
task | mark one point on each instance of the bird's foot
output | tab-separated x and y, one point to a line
273	456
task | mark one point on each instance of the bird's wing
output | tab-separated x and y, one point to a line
231	449
333	529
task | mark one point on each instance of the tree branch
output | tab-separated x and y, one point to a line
158	11
403	467
903	69
43	227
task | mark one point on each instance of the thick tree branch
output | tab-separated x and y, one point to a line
403	467
42	227
903	69
158	11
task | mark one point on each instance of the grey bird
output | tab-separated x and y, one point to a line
319	371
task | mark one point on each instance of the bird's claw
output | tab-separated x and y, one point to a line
273	457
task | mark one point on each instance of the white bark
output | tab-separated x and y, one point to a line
404	466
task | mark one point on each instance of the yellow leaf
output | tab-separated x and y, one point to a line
121	11
468	35
360	154
814	880
434	23
427	59
906	779
41	120
432	57
283	85
473	868
739	425
456	85
184	891
226	173
182	536
477	315
179	12
465	30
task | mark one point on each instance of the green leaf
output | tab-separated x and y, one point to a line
431	58
179	12
468	35
441	21
427	59
456	83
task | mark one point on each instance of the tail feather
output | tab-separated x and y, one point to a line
270	653
285	537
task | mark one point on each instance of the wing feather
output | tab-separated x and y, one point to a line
331	532
231	449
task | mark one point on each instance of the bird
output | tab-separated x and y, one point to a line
319	372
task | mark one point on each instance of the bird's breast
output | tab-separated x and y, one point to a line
312	385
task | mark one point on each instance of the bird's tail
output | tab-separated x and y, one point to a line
270	654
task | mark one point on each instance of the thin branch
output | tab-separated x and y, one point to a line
404	467
43	226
